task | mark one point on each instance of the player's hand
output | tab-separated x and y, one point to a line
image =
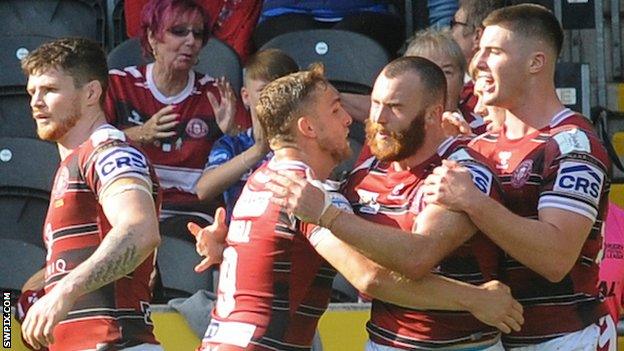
453	123
450	185
224	108
161	125
496	307
298	196
210	241
261	143
44	315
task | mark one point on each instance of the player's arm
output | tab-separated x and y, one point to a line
438	231
129	208
226	169
548	245
491	303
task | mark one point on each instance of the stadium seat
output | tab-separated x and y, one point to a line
352	61
53	18
215	59
176	259
19	261
15	114
27	168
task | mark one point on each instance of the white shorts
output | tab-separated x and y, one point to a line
600	336
372	346
144	347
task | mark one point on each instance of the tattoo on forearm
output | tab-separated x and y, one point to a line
122	260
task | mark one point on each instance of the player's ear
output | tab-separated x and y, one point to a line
537	62
306	127
93	91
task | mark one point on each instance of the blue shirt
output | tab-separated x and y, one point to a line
226	148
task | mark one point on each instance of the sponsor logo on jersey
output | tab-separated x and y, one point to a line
196	128
580	179
503	158
572	141
369	201
395	194
522	173
135	118
62	182
251	203
481	177
117	161
338	200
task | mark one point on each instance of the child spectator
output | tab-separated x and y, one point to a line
233	158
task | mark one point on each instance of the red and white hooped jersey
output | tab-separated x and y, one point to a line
562	166
379	193
116	315
132	98
273	286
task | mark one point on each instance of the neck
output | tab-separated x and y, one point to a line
83	129
424	152
168	81
534	111
322	166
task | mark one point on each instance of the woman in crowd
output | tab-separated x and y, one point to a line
175	113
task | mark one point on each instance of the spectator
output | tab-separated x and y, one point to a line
231	21
173	111
467	28
101	229
233	158
372	18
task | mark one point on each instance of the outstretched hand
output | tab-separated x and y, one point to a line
210	240
224	108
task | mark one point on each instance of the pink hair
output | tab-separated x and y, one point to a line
157	15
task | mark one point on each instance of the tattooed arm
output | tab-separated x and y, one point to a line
133	237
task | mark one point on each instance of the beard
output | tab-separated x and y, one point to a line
397	145
55	130
338	153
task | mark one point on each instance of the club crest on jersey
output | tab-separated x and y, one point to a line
521	174
62	182
503	157
580	179
196	128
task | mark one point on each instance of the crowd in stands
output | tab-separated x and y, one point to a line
192	144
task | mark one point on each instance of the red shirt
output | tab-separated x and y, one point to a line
563	166
132	98
273	286
383	195
233	21
116	315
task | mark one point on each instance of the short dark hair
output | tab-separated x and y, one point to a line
431	75
477	10
157	14
529	20
82	59
282	101
269	65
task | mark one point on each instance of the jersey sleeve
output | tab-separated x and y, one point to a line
113	160
482	175
222	151
575	178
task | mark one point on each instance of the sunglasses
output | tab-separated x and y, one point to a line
181	32
457	23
